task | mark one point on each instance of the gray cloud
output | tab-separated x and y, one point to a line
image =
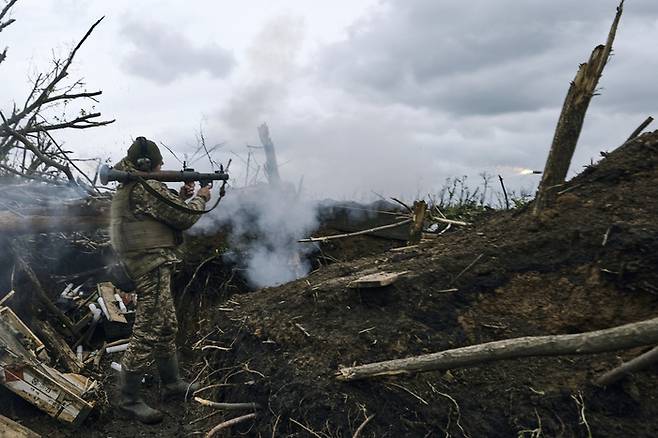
484	58
429	89
271	67
163	55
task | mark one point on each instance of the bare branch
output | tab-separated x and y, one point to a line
28	144
89	95
60	74
6	9
82	122
6	23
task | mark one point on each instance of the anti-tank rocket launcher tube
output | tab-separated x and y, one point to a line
108	174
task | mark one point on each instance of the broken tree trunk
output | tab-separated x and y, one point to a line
571	119
271	166
58	347
617	338
418	218
642	361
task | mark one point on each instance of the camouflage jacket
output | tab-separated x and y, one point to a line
144	204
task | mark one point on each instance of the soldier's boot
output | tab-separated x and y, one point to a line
173	387
131	402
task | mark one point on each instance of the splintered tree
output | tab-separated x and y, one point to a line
28	148
571	119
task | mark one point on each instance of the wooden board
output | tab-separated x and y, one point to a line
107	291
379	279
11	429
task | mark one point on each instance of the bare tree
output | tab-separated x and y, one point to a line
27	145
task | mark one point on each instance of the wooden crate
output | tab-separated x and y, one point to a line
59	395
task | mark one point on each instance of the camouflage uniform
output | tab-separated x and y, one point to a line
150	263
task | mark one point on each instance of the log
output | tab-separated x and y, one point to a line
571	119
599	341
58	347
13	224
639	363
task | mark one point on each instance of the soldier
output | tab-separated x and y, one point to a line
144	232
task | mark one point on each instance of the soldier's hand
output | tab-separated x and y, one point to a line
204	192
187	190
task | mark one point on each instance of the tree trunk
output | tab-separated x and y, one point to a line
617	338
571	119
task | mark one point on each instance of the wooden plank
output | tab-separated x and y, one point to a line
11	429
107	291
379	279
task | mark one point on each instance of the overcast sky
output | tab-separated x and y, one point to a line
391	96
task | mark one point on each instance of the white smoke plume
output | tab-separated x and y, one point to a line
263	223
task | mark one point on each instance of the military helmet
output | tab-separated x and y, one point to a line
144	154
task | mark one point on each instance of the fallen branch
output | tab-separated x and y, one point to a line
357	233
36	285
451	222
227	406
229	423
642	361
618	338
640	128
466	269
362	426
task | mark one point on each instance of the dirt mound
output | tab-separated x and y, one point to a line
586	264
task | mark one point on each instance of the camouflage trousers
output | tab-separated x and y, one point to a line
155	329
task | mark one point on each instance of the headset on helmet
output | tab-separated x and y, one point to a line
143	162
